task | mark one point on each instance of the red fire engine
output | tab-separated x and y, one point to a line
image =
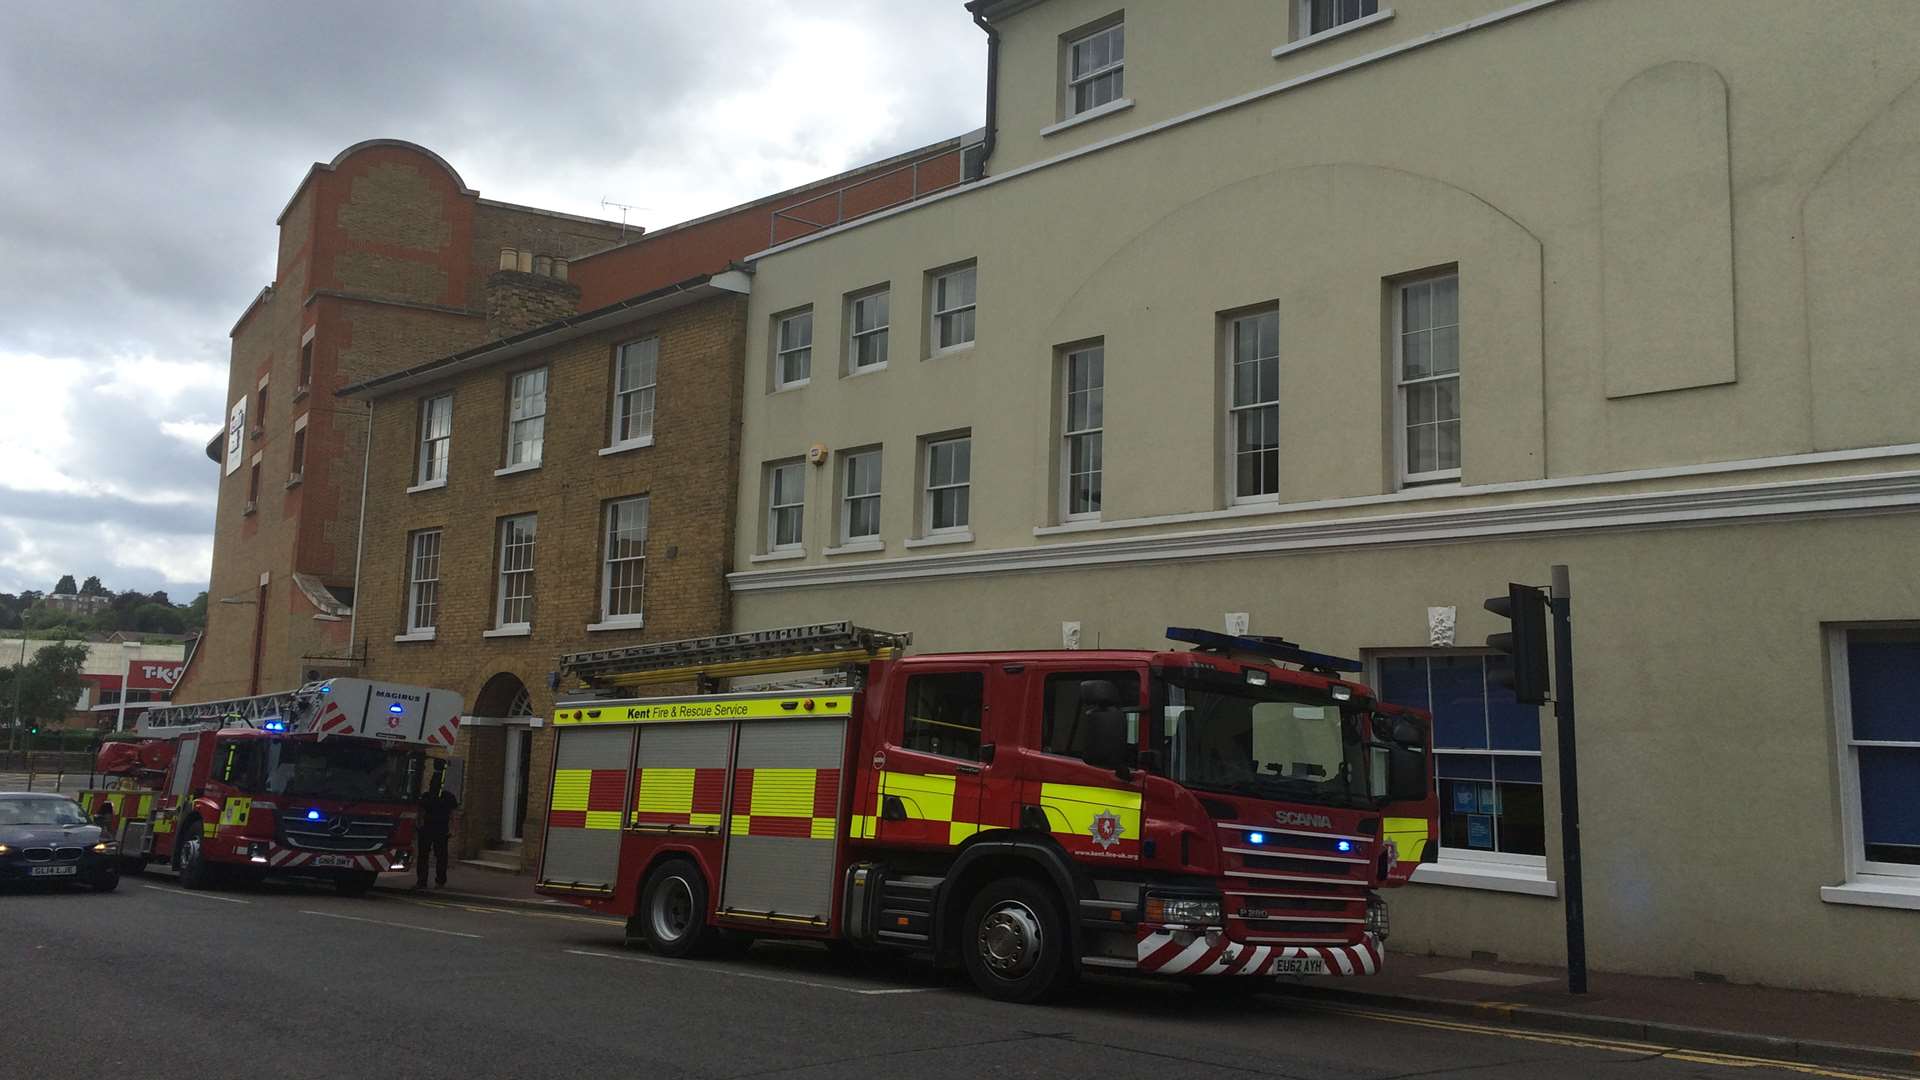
318	782
1231	808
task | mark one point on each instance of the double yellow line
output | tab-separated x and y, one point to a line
1585	1042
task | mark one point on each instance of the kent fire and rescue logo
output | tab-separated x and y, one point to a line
1106	829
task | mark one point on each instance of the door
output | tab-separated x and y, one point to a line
1091	810
782	827
513	788
590	768
927	766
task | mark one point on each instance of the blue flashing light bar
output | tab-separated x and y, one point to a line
276	725
1272	648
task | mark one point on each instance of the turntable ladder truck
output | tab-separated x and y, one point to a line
317	782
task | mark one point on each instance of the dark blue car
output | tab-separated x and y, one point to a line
49	838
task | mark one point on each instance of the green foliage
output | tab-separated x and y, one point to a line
66	585
46	688
92	587
130	611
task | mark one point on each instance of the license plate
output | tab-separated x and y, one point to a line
53	871
332	860
1306	965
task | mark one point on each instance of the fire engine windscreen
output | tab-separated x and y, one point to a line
347	769
1270	742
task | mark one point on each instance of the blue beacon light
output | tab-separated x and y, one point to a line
1257	838
313	815
1343	845
396	708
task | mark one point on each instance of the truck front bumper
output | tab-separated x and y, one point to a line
1163	951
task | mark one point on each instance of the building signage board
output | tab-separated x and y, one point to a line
154	674
236	435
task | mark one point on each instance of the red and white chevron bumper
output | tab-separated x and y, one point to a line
283	858
1189	952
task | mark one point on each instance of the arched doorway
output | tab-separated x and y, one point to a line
504	704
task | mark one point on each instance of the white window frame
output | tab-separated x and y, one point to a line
938	313
1233	412
610	562
504	577
1401	383
637	400
1532	863
419	562
929	489
1304	11
523	416
1116	68
856	336
1860	869
848	496
775	507
430	453
1070	434
782	350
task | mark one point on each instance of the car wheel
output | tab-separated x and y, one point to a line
190	860
132	864
673	910
1015	944
105	881
356	883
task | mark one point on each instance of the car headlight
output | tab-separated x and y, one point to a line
102	847
4	849
1165	909
1377	917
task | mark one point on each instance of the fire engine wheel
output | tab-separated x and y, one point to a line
1015	948
673	910
191	862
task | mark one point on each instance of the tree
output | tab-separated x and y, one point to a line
47	687
158	619
66	586
92	587
196	612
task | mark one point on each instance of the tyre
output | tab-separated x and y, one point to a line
132	864
673	911
106	881
1014	942
355	883
190	861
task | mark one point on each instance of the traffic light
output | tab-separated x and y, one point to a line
1525	646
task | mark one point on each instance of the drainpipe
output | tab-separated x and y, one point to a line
993	84
360	536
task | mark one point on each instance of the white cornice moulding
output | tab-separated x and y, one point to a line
1873	493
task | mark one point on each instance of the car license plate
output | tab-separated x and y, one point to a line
53	871
332	860
1305	965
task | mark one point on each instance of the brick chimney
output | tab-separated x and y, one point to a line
519	298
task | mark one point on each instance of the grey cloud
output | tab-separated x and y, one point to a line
40	508
149	147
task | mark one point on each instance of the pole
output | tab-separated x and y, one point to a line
1569	781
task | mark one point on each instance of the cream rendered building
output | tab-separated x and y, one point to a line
1337	318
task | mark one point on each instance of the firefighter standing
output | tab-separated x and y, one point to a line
437	805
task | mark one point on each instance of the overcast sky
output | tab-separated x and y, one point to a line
145	150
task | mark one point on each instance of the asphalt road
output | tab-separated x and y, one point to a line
289	981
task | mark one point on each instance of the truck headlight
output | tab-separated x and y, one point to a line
1377	917
1166	909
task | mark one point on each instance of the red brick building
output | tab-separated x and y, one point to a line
384	255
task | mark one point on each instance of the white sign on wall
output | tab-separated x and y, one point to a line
236	435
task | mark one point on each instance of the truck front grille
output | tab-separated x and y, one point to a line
358	833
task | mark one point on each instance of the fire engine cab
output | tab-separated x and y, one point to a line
319	782
1230	808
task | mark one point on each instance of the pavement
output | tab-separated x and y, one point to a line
1791	1025
292	980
